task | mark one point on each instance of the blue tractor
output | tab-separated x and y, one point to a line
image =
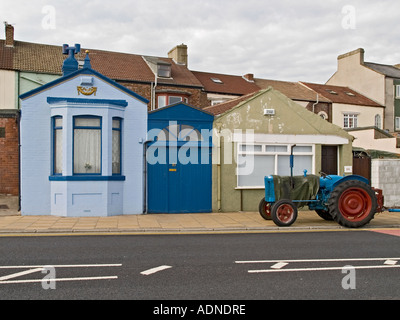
348	200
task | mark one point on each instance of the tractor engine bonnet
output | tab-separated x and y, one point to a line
304	188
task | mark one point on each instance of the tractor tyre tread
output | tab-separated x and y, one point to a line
333	204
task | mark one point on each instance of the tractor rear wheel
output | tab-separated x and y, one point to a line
284	213
264	208
352	204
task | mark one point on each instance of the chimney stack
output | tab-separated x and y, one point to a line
179	54
9	35
70	64
249	77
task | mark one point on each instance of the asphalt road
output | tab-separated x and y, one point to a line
240	267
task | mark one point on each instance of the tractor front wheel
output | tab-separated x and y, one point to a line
264	208
284	213
352	204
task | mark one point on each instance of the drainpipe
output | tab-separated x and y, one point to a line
145	145
153	93
19	137
151	96
313	106
18	120
219	171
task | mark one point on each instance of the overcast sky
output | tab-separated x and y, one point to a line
278	39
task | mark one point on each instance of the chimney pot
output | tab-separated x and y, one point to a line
9	35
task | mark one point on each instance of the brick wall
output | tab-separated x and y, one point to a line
9	155
197	97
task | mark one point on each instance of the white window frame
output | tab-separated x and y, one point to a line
397	123
263	151
169	99
350	117
397	91
162	101
378	121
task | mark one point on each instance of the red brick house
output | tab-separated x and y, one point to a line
9	152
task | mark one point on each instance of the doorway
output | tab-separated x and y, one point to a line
329	160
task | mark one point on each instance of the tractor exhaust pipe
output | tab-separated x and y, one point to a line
291	165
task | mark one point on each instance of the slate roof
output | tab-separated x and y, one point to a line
387	70
42	58
339	94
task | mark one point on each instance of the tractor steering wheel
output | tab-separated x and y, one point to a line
325	175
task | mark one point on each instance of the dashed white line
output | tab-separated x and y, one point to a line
154	270
279	265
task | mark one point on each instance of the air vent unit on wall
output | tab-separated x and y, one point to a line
269	112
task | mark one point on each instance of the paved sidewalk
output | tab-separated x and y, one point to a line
175	223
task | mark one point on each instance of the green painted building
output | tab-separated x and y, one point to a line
254	137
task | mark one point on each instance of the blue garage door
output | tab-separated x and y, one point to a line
179	171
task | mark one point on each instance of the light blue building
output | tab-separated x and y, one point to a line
82	145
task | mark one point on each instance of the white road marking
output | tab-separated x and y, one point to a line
18	274
64	266
60	279
317	260
154	270
37	268
321	269
279	265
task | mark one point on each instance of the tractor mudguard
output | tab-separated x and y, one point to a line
350	177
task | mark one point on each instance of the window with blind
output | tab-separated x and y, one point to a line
87	145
